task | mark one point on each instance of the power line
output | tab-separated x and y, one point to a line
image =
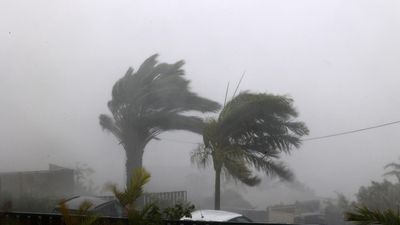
351	131
312	138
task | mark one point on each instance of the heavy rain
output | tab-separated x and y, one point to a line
274	110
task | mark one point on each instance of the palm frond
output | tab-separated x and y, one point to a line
395	172
261	162
258	105
392	173
147	66
270	167
133	190
297	128
65	213
201	156
108	124
237	169
366	216
84	217
172	121
84	207
395	166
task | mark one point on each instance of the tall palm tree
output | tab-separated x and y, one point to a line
148	102
395	170
250	132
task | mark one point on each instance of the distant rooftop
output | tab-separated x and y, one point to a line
52	167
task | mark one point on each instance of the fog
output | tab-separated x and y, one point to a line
336	59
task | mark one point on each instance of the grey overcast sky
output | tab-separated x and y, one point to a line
337	59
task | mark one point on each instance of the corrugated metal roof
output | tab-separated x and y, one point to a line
74	203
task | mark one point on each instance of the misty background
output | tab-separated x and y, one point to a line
336	59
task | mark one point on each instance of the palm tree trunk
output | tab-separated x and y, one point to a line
134	160
217	193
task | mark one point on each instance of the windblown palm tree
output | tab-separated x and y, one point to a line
395	170
250	132
148	102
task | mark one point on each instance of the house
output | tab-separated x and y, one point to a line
54	182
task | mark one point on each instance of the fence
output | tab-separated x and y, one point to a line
26	218
165	198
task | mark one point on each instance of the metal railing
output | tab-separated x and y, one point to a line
168	198
27	218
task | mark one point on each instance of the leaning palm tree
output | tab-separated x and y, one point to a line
250	132
395	170
148	102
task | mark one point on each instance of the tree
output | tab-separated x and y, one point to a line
148	102
83	216
84	184
335	211
250	132
379	195
150	213
395	170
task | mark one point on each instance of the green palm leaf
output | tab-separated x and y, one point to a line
395	170
366	216
134	190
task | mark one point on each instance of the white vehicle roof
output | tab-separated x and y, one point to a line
212	215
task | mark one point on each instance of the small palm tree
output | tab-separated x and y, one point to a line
150	213
250	132
395	170
134	189
366	216
148	102
83	216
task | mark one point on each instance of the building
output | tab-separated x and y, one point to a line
258	216
54	182
310	212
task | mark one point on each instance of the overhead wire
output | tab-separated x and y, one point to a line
312	138
351	131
